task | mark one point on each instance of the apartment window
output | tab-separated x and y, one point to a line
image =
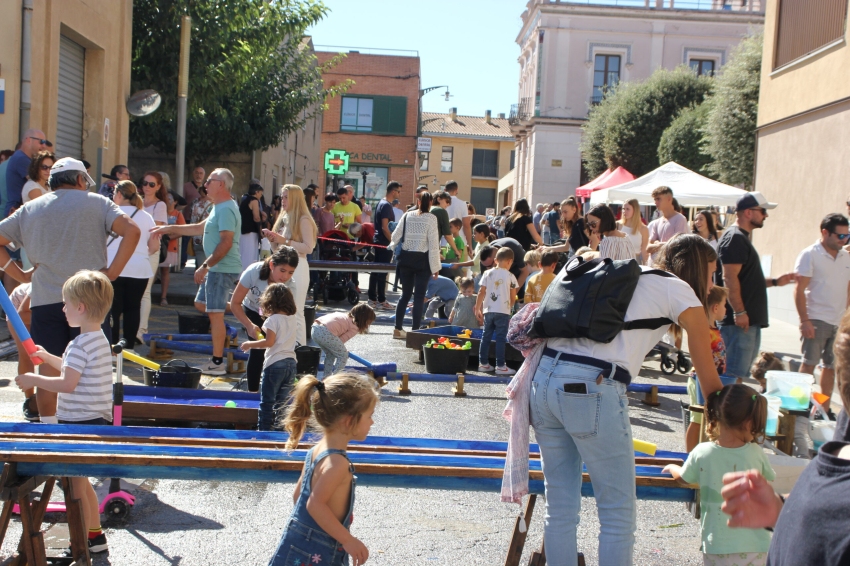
423	160
482	199
485	163
606	74
446	159
702	66
513	158
375	114
805	26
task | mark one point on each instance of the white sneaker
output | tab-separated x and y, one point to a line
485	367
399	334
504	370
373	304
213	368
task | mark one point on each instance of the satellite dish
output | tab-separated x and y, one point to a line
143	102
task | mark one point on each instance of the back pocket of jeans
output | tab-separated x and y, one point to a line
297	557
580	413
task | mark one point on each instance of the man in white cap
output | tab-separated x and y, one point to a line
739	270
63	231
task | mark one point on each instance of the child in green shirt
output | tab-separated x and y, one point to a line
736	418
455	225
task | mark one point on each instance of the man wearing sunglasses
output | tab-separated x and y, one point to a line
822	296
16	172
739	270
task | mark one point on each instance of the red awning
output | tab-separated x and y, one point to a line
607	179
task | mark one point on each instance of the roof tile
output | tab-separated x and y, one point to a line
436	124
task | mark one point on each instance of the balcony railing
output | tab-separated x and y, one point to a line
728	5
520	112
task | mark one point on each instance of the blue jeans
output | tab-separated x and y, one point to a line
216	289
593	428
742	348
495	326
276	385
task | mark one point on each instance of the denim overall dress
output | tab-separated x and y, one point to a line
303	542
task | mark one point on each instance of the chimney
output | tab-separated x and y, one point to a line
453	114
488	117
501	115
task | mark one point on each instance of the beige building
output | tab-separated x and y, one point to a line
475	151
571	52
803	131
65	69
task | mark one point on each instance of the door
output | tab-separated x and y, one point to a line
69	118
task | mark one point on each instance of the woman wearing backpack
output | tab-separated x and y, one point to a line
575	392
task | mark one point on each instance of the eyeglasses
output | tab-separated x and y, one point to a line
593	224
763	211
841	237
39	140
45	167
150	184
208	181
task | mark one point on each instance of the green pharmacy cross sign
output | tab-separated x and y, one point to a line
336	161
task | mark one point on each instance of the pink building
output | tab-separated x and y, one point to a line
570	52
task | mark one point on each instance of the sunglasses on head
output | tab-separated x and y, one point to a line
150	184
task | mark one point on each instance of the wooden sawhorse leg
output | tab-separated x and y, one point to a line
651	397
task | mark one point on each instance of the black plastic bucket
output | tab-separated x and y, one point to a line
307	360
444	360
175	373
193	323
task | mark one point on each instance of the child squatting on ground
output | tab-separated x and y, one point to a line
463	311
341	407
716	310
279	366
736	418
537	284
332	331
84	385
496	296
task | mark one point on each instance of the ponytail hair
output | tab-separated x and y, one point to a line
322	405
130	193
733	407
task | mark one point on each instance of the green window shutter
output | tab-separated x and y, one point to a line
389	115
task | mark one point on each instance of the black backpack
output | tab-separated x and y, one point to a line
589	300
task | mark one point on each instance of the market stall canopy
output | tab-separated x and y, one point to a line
690	189
607	179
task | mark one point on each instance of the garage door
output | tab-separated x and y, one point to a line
69	122
482	199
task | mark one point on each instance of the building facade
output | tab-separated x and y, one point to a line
376	121
570	53
803	131
65	69
475	151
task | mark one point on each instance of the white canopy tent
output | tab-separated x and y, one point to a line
690	189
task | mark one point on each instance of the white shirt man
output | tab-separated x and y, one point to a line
822	296
458	209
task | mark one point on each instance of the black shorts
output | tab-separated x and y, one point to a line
97	421
49	328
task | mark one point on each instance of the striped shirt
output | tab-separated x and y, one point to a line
90	355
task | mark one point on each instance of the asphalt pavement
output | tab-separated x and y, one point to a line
202	523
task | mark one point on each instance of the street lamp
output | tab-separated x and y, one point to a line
365	174
423	92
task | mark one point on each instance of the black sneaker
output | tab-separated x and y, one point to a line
97	545
30	414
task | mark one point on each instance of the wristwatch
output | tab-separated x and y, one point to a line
743	312
774	282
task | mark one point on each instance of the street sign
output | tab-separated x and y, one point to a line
423	144
336	161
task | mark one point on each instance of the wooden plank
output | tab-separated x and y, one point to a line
199	413
76	523
518	537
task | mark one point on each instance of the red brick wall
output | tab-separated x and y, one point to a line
381	75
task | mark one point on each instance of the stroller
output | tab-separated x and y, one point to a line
336	285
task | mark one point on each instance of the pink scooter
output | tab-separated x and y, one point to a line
117	503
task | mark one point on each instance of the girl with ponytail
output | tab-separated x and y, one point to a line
341	409
129	287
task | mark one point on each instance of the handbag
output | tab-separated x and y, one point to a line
407	258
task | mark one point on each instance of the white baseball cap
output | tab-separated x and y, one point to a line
71	164
754	200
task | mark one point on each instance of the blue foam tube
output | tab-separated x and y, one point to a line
379	370
357	358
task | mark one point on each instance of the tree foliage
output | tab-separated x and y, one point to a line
683	140
730	130
634	116
251	79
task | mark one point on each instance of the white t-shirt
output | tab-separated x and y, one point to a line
826	294
499	283
159	212
283	327
29	186
457	209
138	266
250	279
655	297
89	354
